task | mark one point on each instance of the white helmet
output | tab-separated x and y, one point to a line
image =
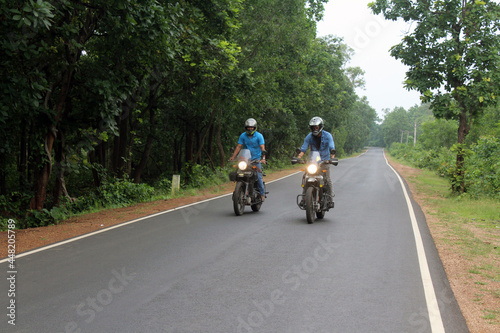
250	122
316	121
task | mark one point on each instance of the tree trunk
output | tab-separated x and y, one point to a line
147	148
23	157
189	145
43	176
95	175
220	146
202	139
59	170
3	180
458	183
120	142
210	143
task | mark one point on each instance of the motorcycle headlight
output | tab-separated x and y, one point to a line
242	165
313	168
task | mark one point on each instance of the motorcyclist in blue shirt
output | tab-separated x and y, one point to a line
322	141
253	141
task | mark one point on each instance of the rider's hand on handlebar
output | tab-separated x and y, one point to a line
263	161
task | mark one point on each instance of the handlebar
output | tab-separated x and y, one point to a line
333	161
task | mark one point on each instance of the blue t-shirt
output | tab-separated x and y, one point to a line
326	145
252	143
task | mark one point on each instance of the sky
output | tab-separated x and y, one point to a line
371	37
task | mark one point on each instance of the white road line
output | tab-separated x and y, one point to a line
435	319
20	255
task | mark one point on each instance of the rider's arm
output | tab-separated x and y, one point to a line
263	149
331	145
305	145
236	151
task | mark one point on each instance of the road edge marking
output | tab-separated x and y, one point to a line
74	239
435	318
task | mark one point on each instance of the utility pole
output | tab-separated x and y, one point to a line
415	135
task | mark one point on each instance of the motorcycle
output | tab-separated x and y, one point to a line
315	199
246	192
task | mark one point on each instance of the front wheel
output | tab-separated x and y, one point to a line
321	213
239	198
310	203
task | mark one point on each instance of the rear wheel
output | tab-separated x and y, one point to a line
309	203
256	207
239	198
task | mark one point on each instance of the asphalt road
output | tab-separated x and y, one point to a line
363	268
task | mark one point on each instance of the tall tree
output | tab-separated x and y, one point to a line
453	54
397	126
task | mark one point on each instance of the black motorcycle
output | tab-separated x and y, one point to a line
246	192
314	198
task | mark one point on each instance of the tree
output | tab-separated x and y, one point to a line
438	133
453	55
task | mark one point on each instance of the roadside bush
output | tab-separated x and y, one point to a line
14	205
431	159
121	192
164	185
401	151
483	168
45	217
482	164
201	176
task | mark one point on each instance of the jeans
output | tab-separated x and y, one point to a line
260	184
328	179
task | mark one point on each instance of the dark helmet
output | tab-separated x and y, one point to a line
316	121
250	122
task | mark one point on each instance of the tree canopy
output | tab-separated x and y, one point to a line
452	52
138	90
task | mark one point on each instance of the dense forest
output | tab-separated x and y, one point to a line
102	101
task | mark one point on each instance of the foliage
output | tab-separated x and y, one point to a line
438	133
201	176
400	124
102	101
481	171
124	192
420	157
483	168
456	172
452	53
